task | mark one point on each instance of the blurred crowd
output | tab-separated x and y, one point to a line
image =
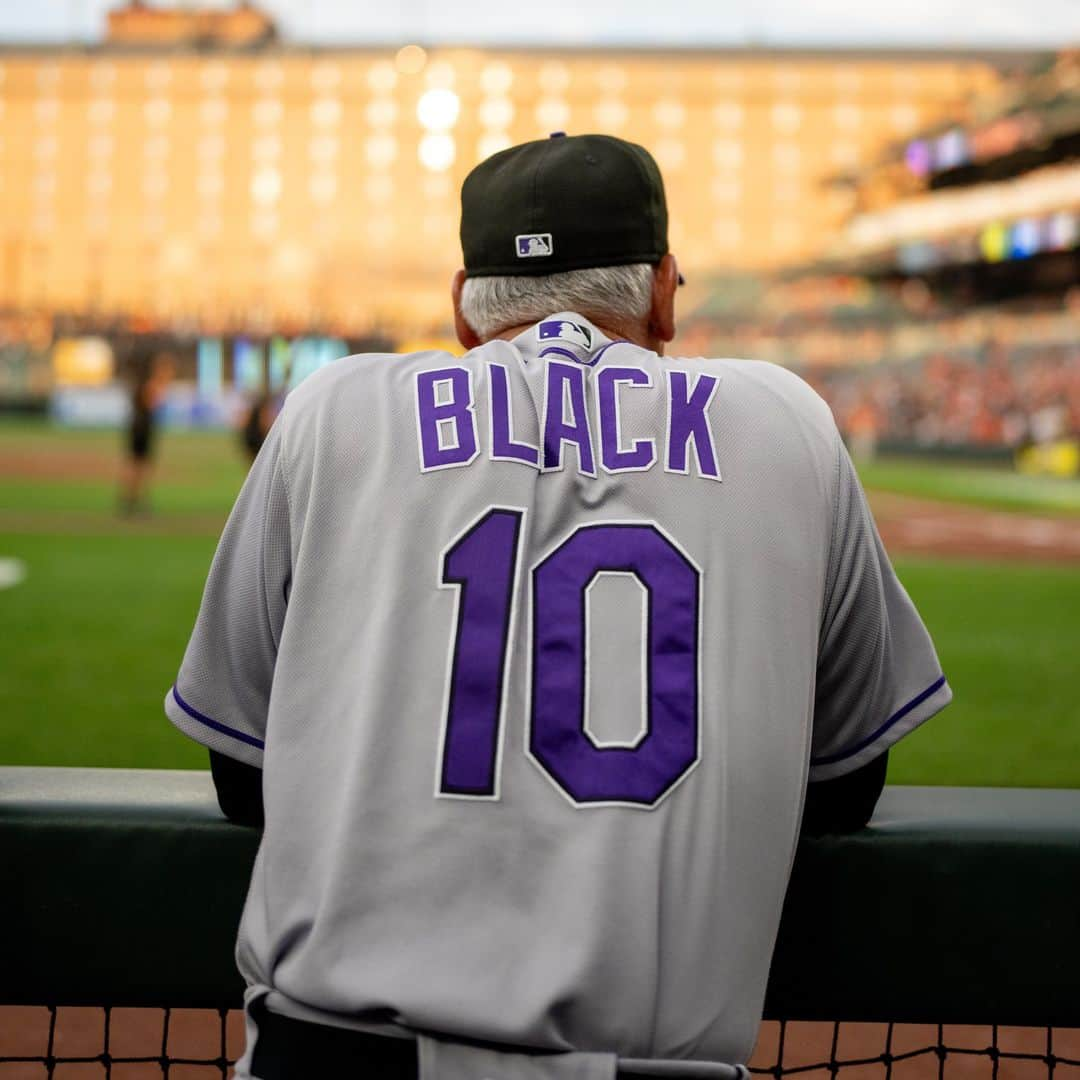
985	378
1000	400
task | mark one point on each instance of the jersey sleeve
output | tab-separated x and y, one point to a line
878	676
222	691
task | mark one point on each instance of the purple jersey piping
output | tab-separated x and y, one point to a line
561	352
900	713
223	728
603	349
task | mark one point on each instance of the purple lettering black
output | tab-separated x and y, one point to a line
433	417
688	421
613	458
566	380
503	445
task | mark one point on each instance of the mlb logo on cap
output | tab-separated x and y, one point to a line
530	245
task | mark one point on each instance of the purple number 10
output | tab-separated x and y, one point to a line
482	564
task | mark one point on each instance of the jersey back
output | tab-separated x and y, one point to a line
536	647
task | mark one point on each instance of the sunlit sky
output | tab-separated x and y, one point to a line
932	23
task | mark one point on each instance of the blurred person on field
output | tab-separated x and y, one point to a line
260	414
152	372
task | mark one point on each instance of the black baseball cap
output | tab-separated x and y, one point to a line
568	202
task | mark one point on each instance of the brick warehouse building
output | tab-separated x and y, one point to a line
194	171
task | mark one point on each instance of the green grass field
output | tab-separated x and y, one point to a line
994	488
93	636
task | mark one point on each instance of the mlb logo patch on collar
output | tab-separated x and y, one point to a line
532	245
564	330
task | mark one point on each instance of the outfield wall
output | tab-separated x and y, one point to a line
957	905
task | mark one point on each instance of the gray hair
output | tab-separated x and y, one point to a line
618	293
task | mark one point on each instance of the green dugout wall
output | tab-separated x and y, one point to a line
956	905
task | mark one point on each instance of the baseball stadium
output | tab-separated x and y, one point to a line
200	208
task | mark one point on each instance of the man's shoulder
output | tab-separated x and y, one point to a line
774	397
765	379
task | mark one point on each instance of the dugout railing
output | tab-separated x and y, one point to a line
123	888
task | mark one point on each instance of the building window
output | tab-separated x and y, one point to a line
98	184
155	185
552	114
326	112
847	116
211	147
611	78
214	76
380	151
382	78
266	148
671	153
46	110
267	113
496	78
410	59
440	75
727	153
45	147
325	76
266	185
323	187
269	76
381	113
786	118
379	188
100	146
669	113
437	109
48	76
101	111
786	233
554	78
264	223
102	76
787	79
845	154
787	156
728	78
157	112
496	112
786	191
903	117
727	232
437	152
436	186
847	80
492	142
611	114
323	148
726	189
157	77
728	115
381	232
210	184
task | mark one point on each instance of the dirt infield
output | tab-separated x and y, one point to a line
860	1051
924	527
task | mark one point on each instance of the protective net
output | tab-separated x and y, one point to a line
191	1044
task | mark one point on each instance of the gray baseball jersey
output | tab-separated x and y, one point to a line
537	648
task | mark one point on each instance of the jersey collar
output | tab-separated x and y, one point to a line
563	336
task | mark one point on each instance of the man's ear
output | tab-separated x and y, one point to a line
465	333
662	309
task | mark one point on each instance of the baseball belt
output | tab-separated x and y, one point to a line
290	1049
